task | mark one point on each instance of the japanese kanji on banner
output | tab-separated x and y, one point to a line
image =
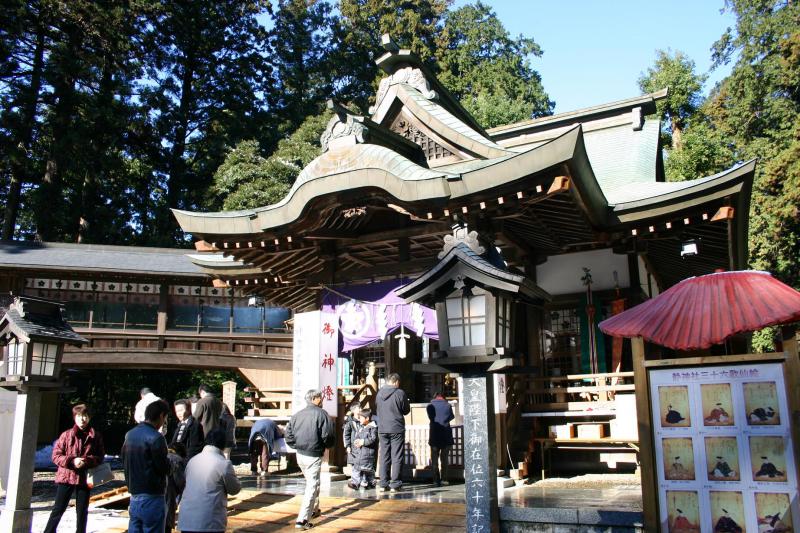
314	358
328	357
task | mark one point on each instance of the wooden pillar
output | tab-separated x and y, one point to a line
163	308
229	395
480	458
792	378
647	463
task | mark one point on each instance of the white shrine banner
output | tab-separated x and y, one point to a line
328	335
314	359
305	357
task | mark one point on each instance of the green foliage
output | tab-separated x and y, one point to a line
753	113
248	180
488	70
112	395
413	24
676	72
702	153
113	113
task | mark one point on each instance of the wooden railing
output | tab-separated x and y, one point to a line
364	395
272	402
575	392
177	349
418	451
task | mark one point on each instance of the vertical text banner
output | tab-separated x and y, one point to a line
305	357
480	465
328	335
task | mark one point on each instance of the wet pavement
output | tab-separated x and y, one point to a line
621	498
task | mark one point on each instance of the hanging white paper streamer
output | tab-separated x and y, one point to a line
417	319
401	342
382	320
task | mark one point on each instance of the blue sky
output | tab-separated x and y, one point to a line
594	51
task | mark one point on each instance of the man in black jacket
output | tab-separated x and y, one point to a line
144	456
189	433
391	404
310	431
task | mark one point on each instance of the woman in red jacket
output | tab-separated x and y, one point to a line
76	451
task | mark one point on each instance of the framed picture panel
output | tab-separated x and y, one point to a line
723	449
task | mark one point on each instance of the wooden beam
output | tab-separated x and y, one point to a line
204	246
647	462
393	269
355	260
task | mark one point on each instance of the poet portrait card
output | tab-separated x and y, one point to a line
674	402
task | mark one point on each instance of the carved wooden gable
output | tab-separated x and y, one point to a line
434	152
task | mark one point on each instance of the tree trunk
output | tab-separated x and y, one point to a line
677	134
19	162
50	200
100	146
177	163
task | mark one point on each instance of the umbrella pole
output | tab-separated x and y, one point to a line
647	464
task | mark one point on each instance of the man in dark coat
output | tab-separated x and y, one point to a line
261	444
440	413
392	405
188	433
309	432
208	410
144	457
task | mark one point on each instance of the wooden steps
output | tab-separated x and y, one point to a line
260	512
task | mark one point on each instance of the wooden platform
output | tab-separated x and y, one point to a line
259	512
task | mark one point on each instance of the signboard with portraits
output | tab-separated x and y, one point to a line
723	449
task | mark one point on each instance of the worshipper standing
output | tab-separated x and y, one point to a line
309	432
146	397
144	457
365	449
188	433
228	424
392	405
176	482
261	445
210	479
440	439
208	409
350	428
76	451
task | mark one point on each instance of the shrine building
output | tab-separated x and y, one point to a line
576	203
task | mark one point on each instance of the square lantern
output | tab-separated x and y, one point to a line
34	333
475	297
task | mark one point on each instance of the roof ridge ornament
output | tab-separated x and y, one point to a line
461	234
412	76
343	125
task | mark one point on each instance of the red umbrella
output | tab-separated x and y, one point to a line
706	310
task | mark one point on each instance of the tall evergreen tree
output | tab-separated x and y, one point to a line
675	71
488	70
203	90
413	24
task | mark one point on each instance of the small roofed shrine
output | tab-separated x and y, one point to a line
576	202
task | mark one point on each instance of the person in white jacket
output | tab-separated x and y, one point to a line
209	480
147	397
